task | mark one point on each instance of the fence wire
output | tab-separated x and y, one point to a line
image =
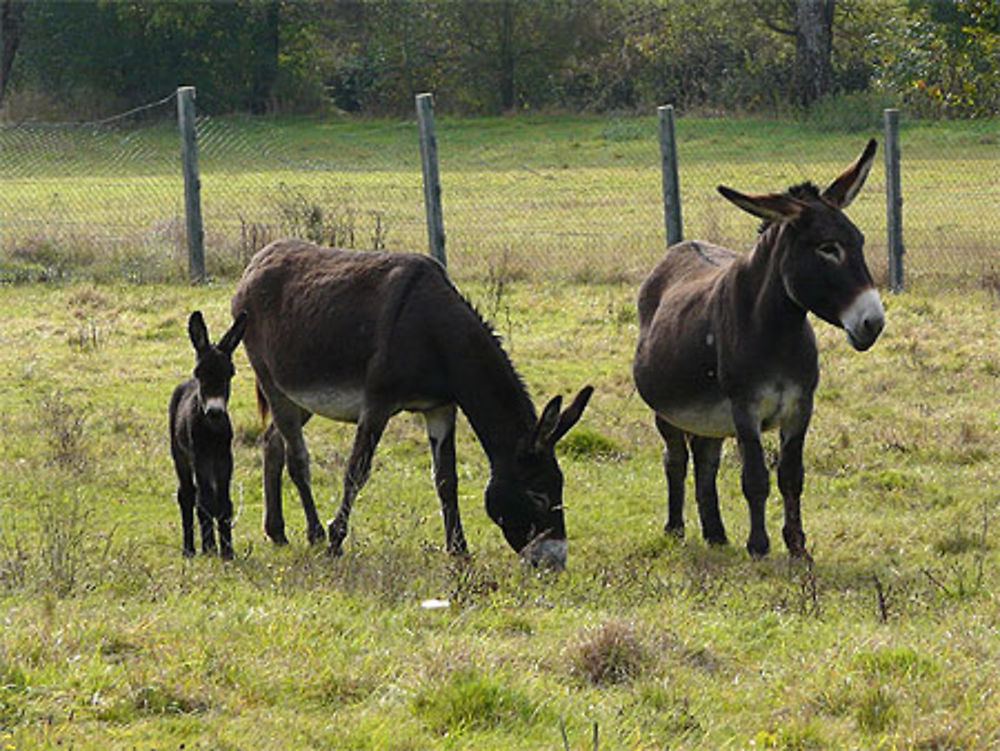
564	198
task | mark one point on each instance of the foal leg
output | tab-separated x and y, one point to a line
224	473
370	427
290	418
675	461
754	478
790	483
706	466
441	435
186	499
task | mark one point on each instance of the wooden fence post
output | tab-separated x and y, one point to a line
432	181
893	201
671	184
192	184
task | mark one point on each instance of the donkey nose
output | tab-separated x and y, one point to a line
215	406
864	319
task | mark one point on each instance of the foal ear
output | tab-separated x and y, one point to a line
843	190
231	339
772	207
571	414
198	332
546	424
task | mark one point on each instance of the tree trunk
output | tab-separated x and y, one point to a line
813	47
265	74
507	56
11	29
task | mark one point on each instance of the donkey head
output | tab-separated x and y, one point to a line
214	365
823	266
526	500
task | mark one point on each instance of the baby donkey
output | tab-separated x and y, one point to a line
201	438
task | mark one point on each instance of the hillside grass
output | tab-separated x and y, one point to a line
111	639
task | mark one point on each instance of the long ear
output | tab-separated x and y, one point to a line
843	190
571	414
198	332
546	424
231	339
772	207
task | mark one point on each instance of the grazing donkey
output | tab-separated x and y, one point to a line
201	438
725	347
358	336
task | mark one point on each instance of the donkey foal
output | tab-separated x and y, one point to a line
201	438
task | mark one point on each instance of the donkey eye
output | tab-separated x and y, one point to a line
833	252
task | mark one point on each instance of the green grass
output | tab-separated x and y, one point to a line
557	197
111	639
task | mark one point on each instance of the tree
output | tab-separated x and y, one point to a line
11	30
810	22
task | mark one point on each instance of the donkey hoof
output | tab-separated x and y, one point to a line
334	550
315	535
795	541
758	548
277	535
717	541
226	554
674	530
188	552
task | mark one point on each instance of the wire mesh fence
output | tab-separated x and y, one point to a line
560	197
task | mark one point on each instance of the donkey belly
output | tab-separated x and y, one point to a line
345	404
774	404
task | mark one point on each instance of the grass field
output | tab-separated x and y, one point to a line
555	197
110	639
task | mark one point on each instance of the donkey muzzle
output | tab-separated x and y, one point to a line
546	552
215	407
864	319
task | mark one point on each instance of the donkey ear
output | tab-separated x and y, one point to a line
231	339
198	332
843	190
772	207
571	414
546	424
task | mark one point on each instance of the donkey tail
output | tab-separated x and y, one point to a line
263	408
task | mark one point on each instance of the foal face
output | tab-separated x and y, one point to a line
214	367
825	272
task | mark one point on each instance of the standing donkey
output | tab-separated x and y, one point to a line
201	438
725	347
358	336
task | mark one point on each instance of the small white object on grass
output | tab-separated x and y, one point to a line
434	604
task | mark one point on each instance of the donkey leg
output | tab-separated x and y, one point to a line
441	435
370	427
224	509
790	484
274	465
754	479
675	462
290	418
207	524
185	499
706	466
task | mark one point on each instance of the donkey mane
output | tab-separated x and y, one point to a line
807	190
498	342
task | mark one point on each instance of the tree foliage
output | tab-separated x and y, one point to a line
89	57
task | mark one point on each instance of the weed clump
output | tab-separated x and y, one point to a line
608	654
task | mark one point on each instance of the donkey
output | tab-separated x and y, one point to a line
358	336
201	438
725	347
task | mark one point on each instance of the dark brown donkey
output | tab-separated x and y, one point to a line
201	438
358	336
725	347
